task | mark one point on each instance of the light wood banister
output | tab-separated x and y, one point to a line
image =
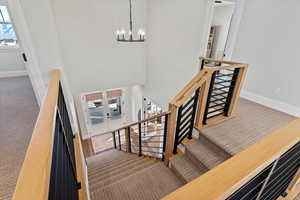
34	178
218	61
81	168
142	121
202	80
223	180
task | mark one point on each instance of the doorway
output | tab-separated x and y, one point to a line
219	44
103	110
219	29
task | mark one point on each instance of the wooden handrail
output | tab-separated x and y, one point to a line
219	61
34	178
202	80
198	80
191	87
142	121
220	182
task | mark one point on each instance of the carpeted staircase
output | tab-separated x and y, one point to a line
116	175
199	157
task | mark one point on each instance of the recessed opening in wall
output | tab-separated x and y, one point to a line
219	29
103	110
7	32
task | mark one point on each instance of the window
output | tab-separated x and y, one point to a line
7	33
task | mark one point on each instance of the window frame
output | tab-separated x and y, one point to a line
16	46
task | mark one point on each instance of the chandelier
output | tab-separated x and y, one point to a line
122	35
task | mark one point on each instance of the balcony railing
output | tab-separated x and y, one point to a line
53	168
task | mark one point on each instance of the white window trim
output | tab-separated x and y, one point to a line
10	47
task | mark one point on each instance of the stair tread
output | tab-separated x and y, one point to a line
112	166
107	158
119	173
113	176
151	183
206	155
186	169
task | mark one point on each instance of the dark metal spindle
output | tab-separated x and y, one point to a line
165	136
119	140
213	77
190	134
177	129
129	140
140	139
114	139
231	90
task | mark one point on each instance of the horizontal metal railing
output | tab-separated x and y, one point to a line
144	138
267	170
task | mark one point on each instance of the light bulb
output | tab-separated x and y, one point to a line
141	32
118	32
123	31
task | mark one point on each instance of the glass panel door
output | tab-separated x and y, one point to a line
114	102
95	108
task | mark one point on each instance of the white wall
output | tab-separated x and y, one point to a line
11	60
41	26
175	31
90	51
137	92
269	41
222	17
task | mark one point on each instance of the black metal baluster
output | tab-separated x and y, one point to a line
231	90
114	139
195	104
213	77
165	136
129	140
140	139
119	140
177	129
202	64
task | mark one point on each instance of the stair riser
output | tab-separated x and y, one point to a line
116	170
179	175
194	159
94	184
214	146
107	163
110	167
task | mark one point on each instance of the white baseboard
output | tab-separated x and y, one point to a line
277	105
8	74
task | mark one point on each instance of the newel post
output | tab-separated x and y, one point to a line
237	89
171	133
202	102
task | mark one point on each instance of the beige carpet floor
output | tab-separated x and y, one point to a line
18	112
116	175
252	123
